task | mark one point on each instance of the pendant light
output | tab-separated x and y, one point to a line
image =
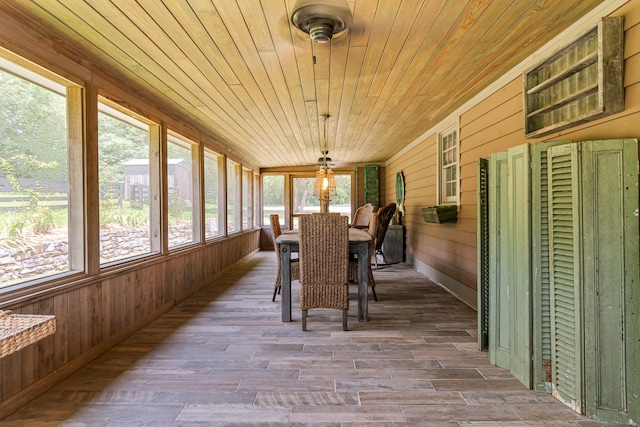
325	185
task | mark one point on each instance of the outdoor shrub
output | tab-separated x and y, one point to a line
41	220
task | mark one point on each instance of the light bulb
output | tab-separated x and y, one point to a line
325	183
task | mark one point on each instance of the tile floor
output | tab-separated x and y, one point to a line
224	358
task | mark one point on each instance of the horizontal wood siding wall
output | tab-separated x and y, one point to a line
91	317
494	124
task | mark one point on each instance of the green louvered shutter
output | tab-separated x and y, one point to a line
540	262
372	185
565	263
499	313
611	280
519	259
482	203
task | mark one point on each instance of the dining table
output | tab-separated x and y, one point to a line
359	241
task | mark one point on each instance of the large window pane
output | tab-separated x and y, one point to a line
233	197
272	197
256	201
247	199
34	176
341	202
180	190
304	202
212	218
125	185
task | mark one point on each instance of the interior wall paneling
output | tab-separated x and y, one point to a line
94	315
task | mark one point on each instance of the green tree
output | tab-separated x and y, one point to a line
343	190
33	129
273	190
118	143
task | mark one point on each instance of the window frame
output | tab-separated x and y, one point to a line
236	201
290	189
247	199
257	198
73	94
156	207
196	188
442	197
221	197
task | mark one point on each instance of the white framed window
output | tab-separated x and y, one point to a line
448	166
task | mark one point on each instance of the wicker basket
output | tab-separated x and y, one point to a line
20	330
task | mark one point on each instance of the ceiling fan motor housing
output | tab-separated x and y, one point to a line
321	19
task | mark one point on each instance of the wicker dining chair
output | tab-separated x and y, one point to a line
362	215
385	214
324	264
372	229
295	265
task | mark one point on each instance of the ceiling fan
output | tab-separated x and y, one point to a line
322	19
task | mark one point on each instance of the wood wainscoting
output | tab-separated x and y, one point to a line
93	315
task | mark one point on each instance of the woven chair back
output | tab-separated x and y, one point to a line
274	219
384	218
324	249
362	216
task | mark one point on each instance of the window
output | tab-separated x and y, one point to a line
273	197
233	197
247	199
304	202
182	184
213	211
341	202
448	165
38	212
128	183
256	201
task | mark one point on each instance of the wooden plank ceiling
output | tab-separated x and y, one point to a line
241	72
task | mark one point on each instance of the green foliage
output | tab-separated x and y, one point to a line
14	227
119	142
343	190
33	126
176	206
273	190
113	212
41	220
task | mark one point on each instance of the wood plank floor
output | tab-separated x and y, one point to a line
224	358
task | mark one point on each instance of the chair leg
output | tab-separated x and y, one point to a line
372	284
304	320
384	258
276	290
344	320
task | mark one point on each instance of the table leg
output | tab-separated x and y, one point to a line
363	281
285	280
